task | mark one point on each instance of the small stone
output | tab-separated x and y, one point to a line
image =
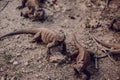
102	6
17	36
2	78
57	8
89	5
15	63
13	78
12	60
57	59
18	54
1	69
36	75
26	63
117	78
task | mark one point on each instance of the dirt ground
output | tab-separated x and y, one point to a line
22	60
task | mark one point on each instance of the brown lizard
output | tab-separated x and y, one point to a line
50	37
83	58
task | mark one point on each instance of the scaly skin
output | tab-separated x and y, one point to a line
83	58
50	37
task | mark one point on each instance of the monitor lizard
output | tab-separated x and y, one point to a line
50	37
82	60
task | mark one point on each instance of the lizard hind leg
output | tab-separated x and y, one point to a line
37	37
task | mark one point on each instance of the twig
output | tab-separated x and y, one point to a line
96	56
104	50
96	63
4	6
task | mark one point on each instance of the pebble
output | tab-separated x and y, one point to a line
2	78
89	5
57	58
12	60
1	69
17	36
18	54
36	75
15	63
117	78
13	78
26	63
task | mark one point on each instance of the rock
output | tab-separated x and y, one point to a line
17	36
1	69
2	78
18	54
13	78
26	63
117	78
92	23
15	63
57	59
12	60
36	75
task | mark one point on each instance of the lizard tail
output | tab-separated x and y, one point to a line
76	43
24	31
116	46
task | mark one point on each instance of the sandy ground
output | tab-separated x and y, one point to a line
22	60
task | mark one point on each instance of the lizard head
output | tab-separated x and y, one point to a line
78	67
61	37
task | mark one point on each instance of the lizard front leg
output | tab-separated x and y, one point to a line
49	46
36	37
